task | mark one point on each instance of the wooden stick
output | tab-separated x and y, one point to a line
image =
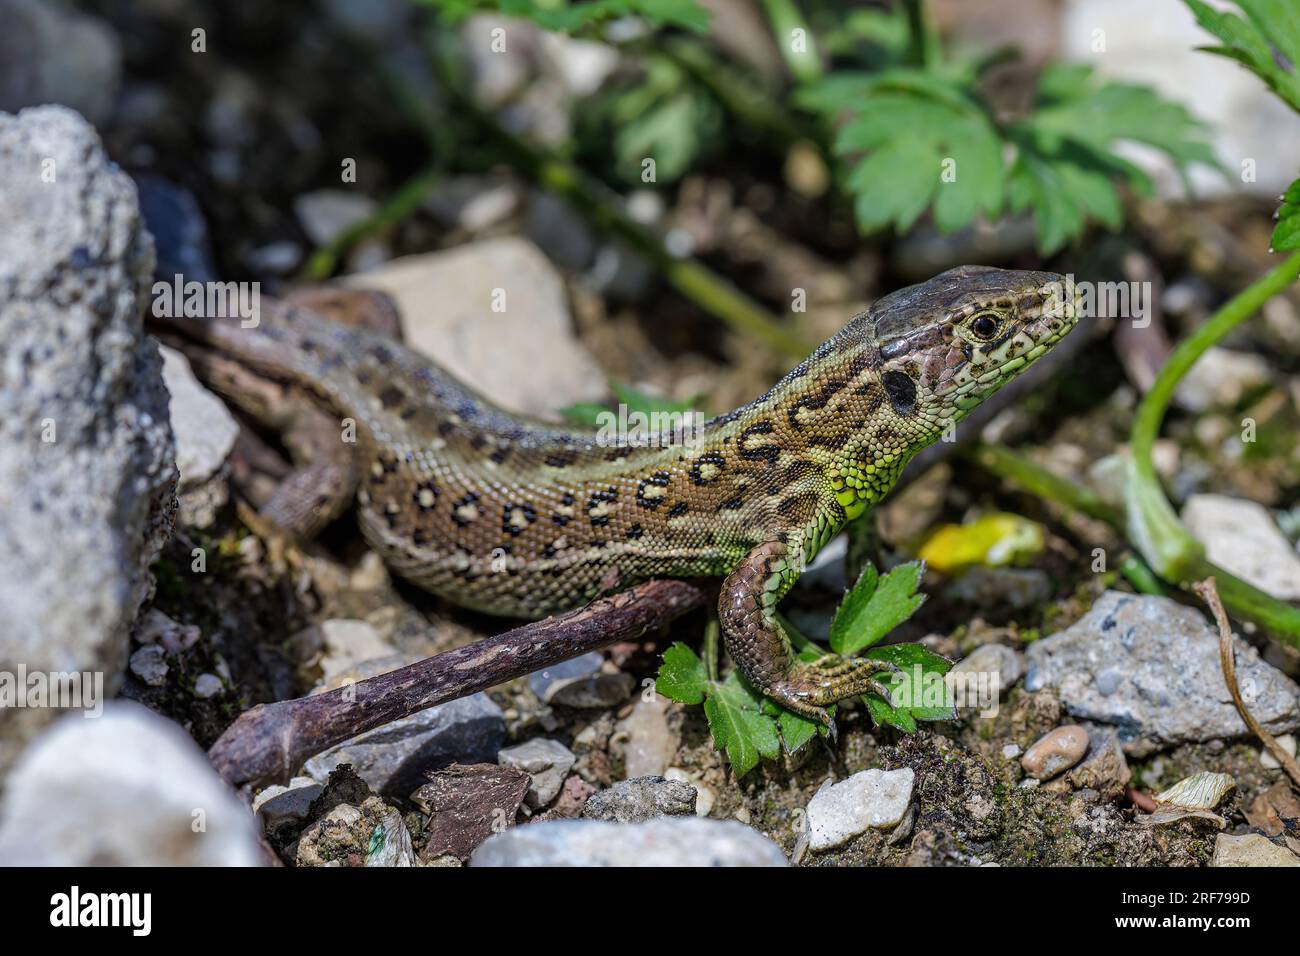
268	743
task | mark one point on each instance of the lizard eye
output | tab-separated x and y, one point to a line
984	326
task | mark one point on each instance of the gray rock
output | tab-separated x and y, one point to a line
581	682
523	353
127	789
1056	751
1252	849
205	431
546	762
1240	536
1150	666
87	512
991	659
641	799
871	799
394	758
51	54
667	841
278	805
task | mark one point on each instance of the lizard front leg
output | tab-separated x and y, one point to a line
759	646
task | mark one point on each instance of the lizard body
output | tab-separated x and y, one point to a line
519	517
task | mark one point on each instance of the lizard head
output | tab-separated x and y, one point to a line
947	344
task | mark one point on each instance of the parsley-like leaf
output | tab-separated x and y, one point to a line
918	692
1269	25
875	607
683	676
739	725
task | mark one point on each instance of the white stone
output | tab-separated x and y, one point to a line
1266	758
1241	537
645	738
206	686
1221	378
1252	849
872	798
205	431
664	841
524	357
129	788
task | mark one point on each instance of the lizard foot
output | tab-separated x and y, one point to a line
809	688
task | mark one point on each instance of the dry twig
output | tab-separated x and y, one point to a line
1209	593
268	743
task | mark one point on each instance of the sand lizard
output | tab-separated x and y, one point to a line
519	517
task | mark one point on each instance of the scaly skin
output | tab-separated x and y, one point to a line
517	517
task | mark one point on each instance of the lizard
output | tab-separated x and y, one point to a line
519	517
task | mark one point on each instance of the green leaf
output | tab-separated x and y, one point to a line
1286	237
873	609
1073	109
739	726
796	730
925	140
1269	24
918	692
682	676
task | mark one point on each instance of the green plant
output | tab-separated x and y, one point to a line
748	726
567	17
925	137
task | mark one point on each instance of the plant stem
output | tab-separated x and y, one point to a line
917	49
405	201
1152	524
1005	463
712	631
805	65
1243	599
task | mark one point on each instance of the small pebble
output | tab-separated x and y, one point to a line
872	798
207	685
1011	751
1268	761
150	665
1055	752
